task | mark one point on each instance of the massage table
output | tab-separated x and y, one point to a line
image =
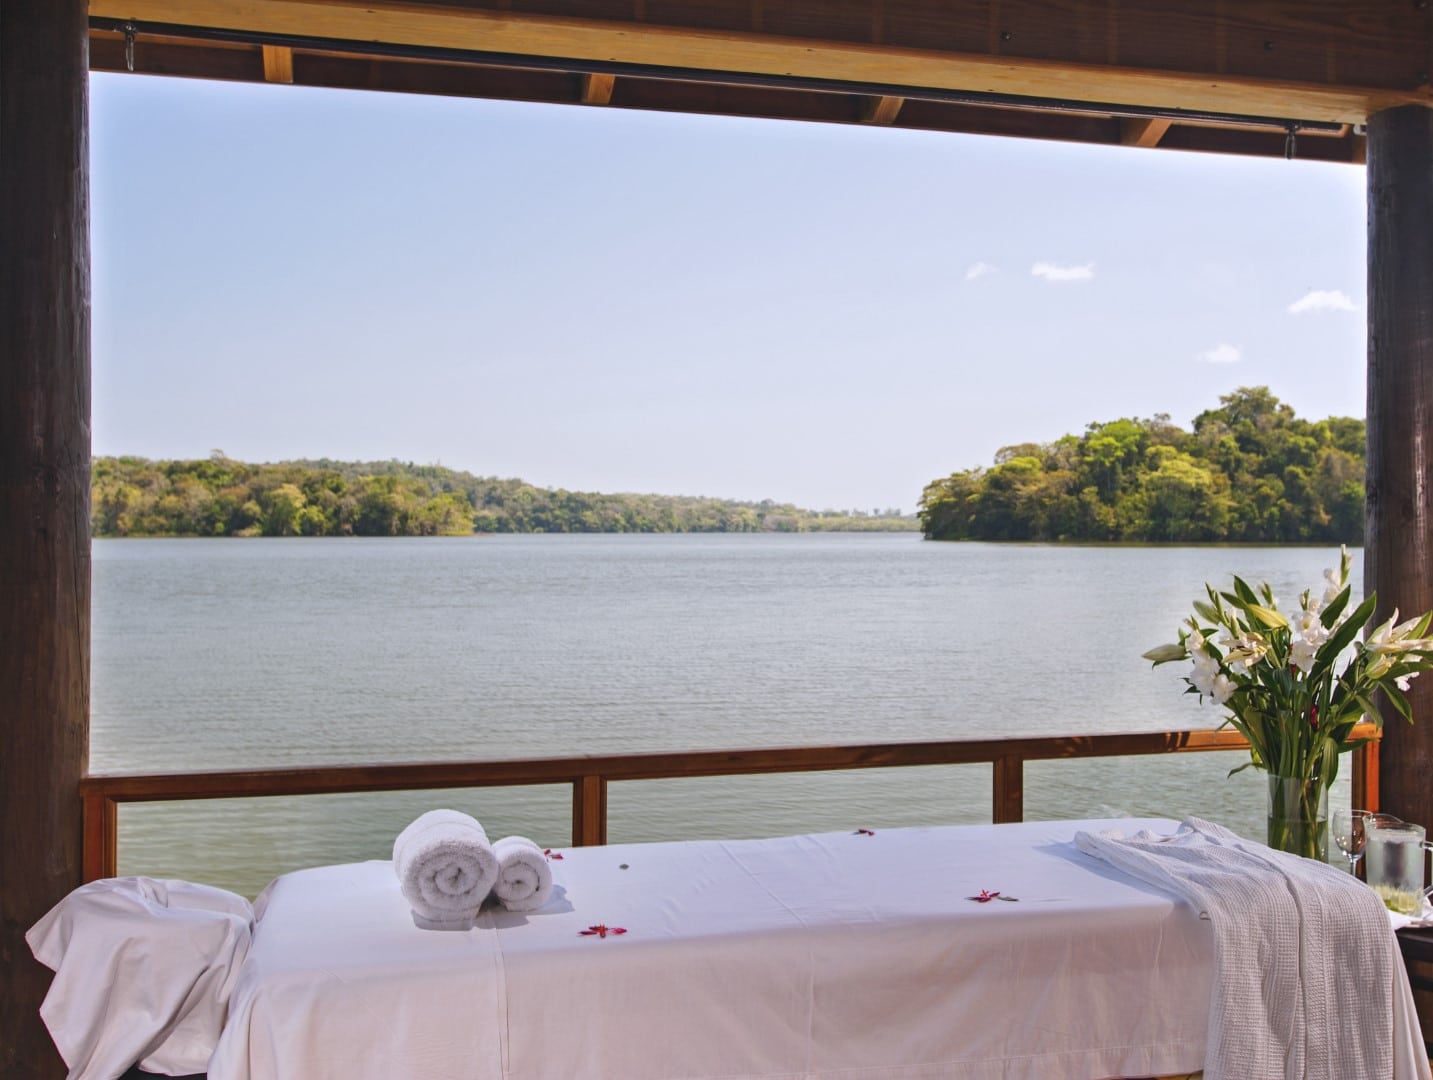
853	955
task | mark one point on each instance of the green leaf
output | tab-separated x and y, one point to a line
1398	701
1344	635
1330	614
1328	769
1246	595
1369	709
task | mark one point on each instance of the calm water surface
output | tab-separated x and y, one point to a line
227	653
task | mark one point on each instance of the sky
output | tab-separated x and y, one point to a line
604	300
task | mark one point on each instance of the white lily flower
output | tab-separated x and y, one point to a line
1203	676
1223	689
1248	648
1393	639
1302	653
1403	680
1332	587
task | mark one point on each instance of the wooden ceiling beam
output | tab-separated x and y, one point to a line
881	110
617	41
1143	132
278	64
177	57
597	88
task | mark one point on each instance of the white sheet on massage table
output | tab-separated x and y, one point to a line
810	956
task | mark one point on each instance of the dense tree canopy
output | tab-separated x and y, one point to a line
218	496
1249	471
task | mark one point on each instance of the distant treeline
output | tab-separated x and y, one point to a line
1249	471
218	496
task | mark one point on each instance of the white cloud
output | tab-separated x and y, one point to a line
1223	353
1051	272
1321	300
979	269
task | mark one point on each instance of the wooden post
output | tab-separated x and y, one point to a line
1398	546
589	811
44	494
1007	790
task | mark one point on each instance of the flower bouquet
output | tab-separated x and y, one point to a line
1296	685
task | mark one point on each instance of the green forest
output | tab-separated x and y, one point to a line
1250	471
217	496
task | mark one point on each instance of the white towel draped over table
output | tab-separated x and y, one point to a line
1306	965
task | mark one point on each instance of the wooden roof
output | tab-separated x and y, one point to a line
1237	76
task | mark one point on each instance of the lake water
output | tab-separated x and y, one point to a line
227	653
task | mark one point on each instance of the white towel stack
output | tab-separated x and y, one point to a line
524	876
446	868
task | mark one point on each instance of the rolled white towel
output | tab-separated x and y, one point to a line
524	878
446	868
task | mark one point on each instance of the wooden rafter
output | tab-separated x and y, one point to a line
627	42
881	110
1143	132
278	64
597	88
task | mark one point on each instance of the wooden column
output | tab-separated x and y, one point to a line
44	494
1398	549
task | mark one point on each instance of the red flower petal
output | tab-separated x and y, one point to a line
552	854
601	930
864	832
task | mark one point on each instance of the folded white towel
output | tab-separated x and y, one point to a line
446	868
524	876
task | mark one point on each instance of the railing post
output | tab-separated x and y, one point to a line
1365	776
589	811
100	817
1008	790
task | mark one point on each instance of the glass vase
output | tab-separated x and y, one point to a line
1298	816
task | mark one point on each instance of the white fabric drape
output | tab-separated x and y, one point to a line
1308	979
143	972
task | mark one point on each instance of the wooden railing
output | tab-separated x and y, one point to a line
590	775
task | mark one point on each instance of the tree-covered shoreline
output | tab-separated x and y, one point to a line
1250	471
218	496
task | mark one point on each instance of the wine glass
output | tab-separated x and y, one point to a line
1349	835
